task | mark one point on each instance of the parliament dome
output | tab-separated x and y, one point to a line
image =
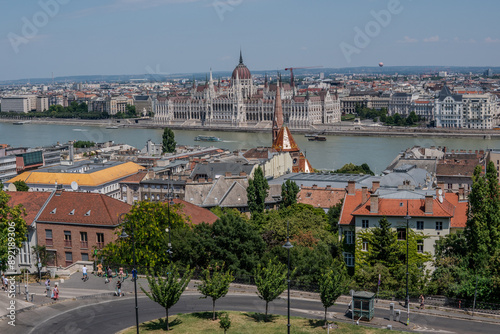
241	71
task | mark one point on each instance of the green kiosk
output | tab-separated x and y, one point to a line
363	305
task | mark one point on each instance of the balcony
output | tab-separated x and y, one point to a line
67	243
49	242
84	244
100	245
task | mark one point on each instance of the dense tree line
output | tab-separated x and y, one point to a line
381	115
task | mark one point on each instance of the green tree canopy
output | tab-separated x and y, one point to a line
332	285
351	168
270	281
169	143
215	284
147	222
13	231
257	191
289	191
21	185
167	287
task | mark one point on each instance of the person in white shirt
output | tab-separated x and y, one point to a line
84	270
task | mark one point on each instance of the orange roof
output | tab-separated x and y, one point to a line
459	219
83	208
196	214
450	208
284	141
83	179
321	197
32	202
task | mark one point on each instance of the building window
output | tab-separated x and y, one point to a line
349	259
85	256
67	238
84	240
69	258
364	223
48	238
420	225
401	233
349	237
439	226
365	245
100	240
420	246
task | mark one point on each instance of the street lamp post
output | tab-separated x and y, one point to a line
288	245
407	301
134	271
170	201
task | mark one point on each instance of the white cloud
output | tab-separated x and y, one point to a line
407	39
491	40
432	39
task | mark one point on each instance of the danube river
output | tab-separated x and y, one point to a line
377	152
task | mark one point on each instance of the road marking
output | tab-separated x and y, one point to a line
80	307
425	329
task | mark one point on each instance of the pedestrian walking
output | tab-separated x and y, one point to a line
56	292
119	288
99	269
47	286
422	304
5	283
84	271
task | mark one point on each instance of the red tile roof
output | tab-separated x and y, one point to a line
89	208
450	208
31	201
136	178
321	197
195	214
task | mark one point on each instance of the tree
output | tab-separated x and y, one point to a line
42	255
168	141
13	231
215	285
236	244
21	185
476	229
384	243
167	287
270	281
149	221
289	191
351	168
333	216
257	191
225	322
331	286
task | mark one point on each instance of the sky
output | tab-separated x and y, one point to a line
106	37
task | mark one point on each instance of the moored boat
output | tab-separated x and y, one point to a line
207	138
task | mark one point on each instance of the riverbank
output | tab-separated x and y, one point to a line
342	129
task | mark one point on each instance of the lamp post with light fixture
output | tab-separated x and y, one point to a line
288	245
134	270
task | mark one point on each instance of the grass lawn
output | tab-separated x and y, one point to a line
245	323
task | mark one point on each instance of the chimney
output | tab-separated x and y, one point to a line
461	193
351	187
364	194
328	187
374	203
429	201
315	186
210	180
243	174
228	174
375	186
441	185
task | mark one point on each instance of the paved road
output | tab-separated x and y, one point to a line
111	314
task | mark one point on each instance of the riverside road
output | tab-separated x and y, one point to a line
112	314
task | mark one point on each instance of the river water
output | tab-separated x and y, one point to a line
377	152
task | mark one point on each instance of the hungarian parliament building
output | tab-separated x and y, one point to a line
242	103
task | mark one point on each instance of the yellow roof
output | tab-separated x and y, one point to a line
83	179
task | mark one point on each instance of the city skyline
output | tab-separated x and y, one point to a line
114	37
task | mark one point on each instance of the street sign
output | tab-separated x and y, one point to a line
39	265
